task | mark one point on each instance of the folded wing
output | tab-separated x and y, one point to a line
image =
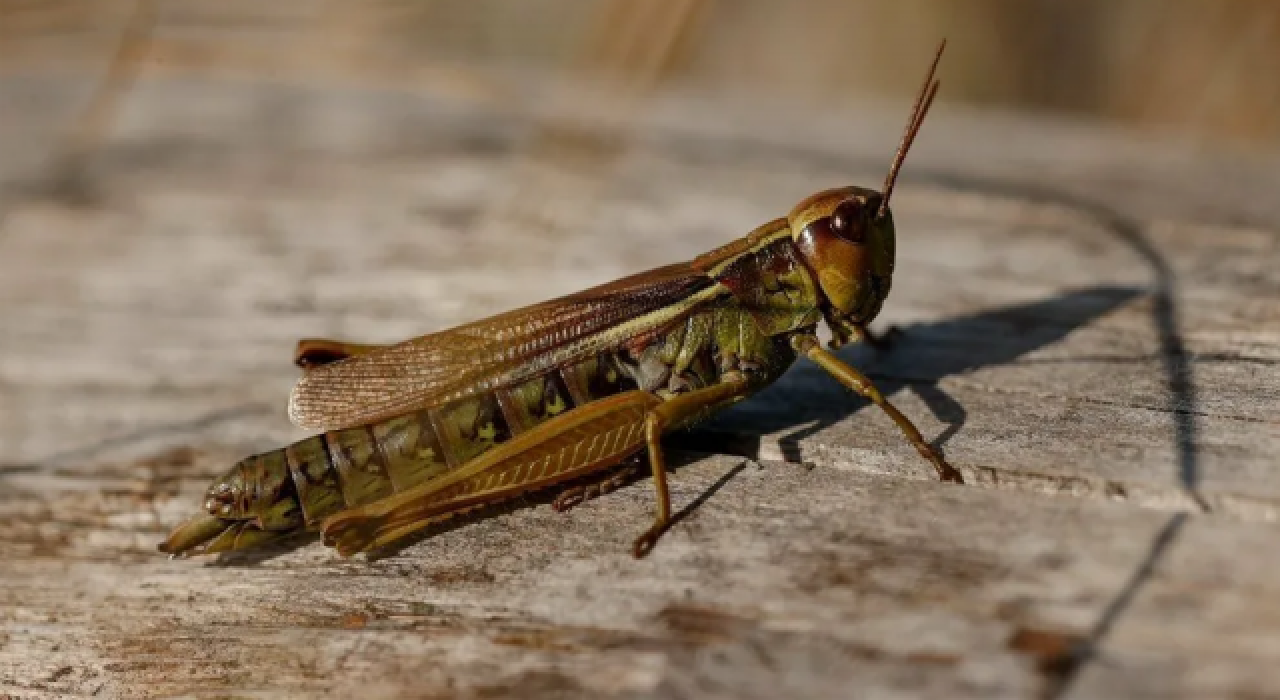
505	349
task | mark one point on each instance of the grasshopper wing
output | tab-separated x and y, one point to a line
494	352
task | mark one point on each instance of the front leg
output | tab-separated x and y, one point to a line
809	346
845	332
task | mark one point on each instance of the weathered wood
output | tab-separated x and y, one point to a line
1091	333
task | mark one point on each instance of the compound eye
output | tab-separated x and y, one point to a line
849	221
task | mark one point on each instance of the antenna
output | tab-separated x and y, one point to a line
923	101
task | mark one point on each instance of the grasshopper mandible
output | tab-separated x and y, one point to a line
434	426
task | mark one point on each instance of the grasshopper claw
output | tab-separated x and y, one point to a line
646	542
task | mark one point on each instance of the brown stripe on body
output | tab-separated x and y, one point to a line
513	409
314	478
266	474
410	448
528	404
469	427
362	474
595	379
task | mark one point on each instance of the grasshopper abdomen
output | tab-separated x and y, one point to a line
295	488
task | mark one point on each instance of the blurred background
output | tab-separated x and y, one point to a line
1200	70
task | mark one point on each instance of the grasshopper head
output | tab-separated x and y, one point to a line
846	235
849	246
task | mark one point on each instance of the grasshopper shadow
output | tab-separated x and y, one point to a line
807	401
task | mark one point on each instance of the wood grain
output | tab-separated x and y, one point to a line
1092	334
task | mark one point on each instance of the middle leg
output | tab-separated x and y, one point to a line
669	414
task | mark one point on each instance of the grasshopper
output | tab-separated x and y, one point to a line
564	390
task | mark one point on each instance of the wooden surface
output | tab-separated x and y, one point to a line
1092	335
